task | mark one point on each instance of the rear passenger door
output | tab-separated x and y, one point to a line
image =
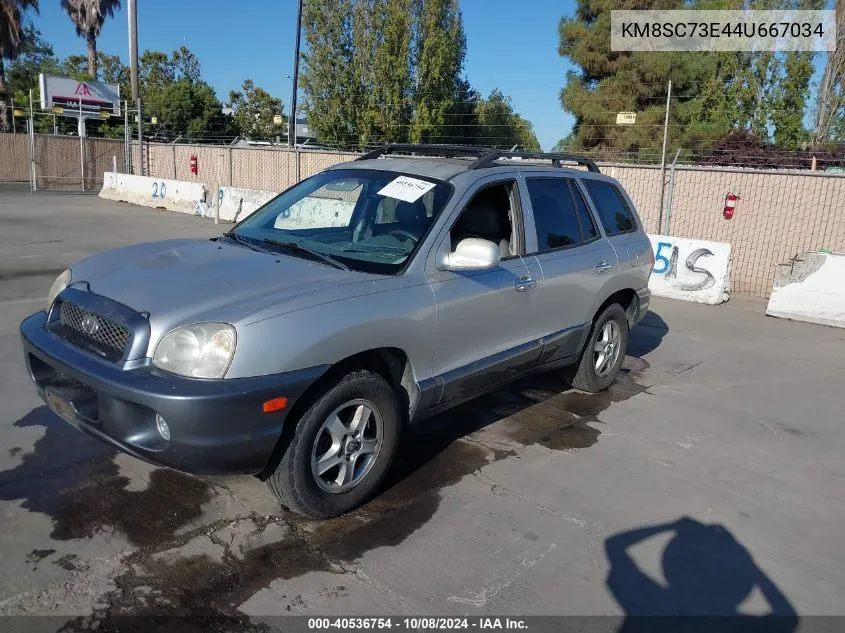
574	260
616	214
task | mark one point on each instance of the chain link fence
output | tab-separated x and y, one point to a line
779	213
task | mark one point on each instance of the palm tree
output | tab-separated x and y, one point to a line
11	41
88	16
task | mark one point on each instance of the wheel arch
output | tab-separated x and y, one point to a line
392	363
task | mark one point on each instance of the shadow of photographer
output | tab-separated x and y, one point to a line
708	576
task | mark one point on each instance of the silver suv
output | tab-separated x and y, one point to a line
300	343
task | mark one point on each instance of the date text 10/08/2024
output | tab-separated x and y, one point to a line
417	623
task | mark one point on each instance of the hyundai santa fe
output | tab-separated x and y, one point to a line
299	344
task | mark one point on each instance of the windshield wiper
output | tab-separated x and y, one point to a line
242	240
298	248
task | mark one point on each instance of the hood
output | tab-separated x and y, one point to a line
182	280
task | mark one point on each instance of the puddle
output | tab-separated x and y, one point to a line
208	588
86	498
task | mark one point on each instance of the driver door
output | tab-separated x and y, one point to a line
486	320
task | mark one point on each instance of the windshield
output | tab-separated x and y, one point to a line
368	220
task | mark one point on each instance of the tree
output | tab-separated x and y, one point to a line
440	48
829	115
173	91
326	79
608	82
88	16
254	110
12	38
501	127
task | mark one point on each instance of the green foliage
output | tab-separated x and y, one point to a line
327	79
88	16
254	110
185	108
501	127
380	71
713	93
440	49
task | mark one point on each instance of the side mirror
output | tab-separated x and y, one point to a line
471	253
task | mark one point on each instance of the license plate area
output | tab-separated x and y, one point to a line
61	406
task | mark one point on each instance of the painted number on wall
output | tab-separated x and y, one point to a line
668	266
159	190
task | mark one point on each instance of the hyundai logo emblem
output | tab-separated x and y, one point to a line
90	324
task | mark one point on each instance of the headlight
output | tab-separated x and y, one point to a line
62	282
202	350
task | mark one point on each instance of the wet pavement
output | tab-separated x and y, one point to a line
724	432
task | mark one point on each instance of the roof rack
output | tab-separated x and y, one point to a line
491	156
447	151
486	156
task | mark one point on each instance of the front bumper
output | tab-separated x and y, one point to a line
216	426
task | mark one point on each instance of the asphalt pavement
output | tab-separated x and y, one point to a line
709	479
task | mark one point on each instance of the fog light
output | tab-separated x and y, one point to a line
162	427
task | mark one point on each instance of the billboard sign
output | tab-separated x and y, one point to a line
67	93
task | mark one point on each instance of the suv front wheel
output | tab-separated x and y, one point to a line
341	449
604	353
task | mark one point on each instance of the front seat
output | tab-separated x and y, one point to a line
486	222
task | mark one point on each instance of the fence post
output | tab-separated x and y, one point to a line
298	157
663	159
33	181
140	136
231	170
670	194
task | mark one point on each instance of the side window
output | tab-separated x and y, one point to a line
588	225
615	215
490	215
555	217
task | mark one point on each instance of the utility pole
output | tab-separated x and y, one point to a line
133	48
292	123
663	160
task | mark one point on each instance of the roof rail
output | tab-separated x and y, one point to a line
486	156
491	156
447	151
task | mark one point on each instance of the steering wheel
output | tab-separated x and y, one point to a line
405	233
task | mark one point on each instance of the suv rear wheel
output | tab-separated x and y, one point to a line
341	449
604	353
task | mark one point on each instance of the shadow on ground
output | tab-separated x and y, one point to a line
708	576
647	335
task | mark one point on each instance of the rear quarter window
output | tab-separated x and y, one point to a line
615	214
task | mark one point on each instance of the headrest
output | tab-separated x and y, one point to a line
481	219
410	213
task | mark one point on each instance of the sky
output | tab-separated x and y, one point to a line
510	46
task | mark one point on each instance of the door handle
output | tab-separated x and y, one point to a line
525	283
602	267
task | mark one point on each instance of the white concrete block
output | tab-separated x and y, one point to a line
691	270
159	193
811	289
237	203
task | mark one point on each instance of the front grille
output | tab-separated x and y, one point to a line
93	331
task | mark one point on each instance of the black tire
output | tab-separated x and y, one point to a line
584	375
293	482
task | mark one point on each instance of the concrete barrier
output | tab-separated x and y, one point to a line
237	203
811	288
691	270
159	193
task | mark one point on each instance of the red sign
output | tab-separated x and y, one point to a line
82	89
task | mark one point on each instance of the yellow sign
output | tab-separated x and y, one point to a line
277	119
57	110
17	112
626	118
154	120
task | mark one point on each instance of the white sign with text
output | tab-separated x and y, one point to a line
691	270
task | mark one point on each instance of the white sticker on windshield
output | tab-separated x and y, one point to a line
406	188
